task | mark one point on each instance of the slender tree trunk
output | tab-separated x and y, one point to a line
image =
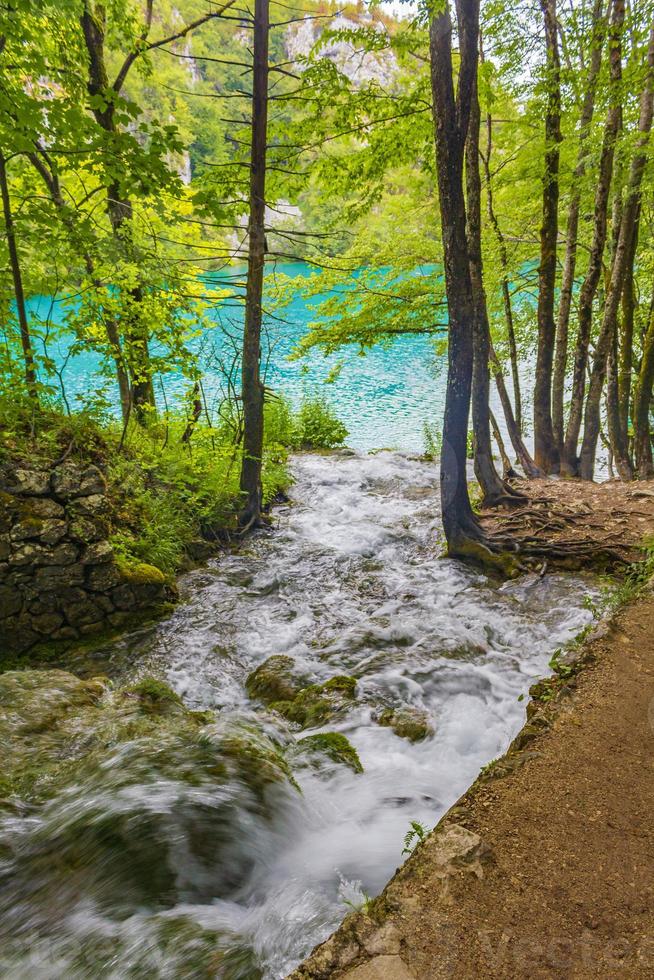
618	271
617	437
196	412
626	338
451	117
507	469
119	211
506	291
519	448
570	461
493	488
545	450
51	180
252	388
642	403
19	294
572	227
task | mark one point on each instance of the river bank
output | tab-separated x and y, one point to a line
543	869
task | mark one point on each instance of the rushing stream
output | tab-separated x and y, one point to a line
349	583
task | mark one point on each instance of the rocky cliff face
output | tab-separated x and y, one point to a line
350	58
59	579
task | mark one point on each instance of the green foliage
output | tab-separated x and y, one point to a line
414	836
317	426
636	579
432	437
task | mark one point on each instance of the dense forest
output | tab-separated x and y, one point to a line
148	149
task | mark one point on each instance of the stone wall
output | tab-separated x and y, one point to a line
59	579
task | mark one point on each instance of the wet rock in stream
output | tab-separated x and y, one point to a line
129	801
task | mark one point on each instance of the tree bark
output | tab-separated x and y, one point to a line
626	338
570	461
19	293
119	210
572	228
522	453
451	117
614	292
252	388
506	292
507	469
545	450
642	403
493	488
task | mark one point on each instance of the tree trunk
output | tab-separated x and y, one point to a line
19	294
451	117
252	388
570	461
119	211
572	227
507	470
642	403
493	488
545	450
51	180
626	338
618	271
506	292
519	448
617	438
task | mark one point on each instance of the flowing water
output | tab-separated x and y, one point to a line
349	582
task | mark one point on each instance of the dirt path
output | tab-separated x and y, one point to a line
545	868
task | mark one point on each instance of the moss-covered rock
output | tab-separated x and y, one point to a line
140	802
411	723
140	573
154	695
335	746
318	703
276	679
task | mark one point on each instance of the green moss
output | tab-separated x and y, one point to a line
140	573
342	683
154	695
335	746
273	680
316	704
410	723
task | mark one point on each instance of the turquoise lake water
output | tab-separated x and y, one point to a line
383	398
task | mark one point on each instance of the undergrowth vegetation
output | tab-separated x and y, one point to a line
166	493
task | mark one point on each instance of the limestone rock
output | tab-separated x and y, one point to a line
314	705
11	601
97	553
70	479
381	968
102	578
276	679
407	722
333	745
26	481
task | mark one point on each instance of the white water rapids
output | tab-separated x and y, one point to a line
349	582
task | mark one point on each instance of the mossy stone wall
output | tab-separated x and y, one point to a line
59	579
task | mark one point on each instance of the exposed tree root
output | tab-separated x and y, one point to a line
572	525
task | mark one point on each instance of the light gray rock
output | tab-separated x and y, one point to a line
28	482
97	553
